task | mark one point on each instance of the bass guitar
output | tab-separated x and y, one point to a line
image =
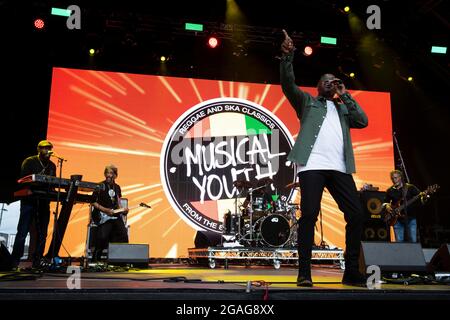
398	209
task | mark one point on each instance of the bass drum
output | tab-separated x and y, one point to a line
274	230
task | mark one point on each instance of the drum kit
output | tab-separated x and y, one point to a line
263	220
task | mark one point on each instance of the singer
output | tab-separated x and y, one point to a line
324	157
34	213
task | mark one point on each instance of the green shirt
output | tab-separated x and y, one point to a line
312	111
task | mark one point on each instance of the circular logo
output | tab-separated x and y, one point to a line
218	152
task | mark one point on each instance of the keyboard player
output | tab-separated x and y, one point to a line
34	212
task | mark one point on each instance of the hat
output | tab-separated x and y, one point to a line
45	143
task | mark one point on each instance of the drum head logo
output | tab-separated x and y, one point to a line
213	145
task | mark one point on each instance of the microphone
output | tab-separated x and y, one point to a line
53	154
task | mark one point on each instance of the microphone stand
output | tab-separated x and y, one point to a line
402	163
403	168
323	244
55	213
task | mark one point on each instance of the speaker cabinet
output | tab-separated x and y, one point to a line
6	261
205	239
441	259
428	254
392	257
127	253
375	229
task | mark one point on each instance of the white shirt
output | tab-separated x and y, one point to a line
328	150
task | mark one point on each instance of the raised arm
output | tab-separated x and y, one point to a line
296	97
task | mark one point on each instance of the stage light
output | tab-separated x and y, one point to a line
410	79
213	42
163	59
39	24
61	12
328	40
193	26
346	9
352	75
436	49
307	51
91	52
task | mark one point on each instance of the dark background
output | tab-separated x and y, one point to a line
131	35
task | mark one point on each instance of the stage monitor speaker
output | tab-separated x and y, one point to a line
441	259
6	261
205	239
375	229
127	253
392	257
428	253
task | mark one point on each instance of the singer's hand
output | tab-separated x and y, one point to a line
340	88
287	46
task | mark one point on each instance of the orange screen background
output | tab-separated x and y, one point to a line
97	118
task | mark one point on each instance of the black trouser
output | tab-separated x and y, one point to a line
35	212
110	231
342	188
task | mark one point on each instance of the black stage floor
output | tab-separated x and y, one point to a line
190	282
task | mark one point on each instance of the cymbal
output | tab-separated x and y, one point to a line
264	181
293	185
242	184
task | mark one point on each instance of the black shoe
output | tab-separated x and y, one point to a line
354	278
304	282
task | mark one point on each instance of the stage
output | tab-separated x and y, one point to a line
196	282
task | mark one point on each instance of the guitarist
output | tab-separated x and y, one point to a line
105	201
400	192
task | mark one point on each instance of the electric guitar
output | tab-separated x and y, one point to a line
397	209
99	217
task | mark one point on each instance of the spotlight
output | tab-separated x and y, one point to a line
352	75
91	52
39	24
307	51
410	79
346	9
213	42
163	59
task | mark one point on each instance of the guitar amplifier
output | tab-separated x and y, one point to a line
375	229
128	254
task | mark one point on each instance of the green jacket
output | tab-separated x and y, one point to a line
311	113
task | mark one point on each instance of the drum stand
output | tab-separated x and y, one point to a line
238	234
250	211
294	228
